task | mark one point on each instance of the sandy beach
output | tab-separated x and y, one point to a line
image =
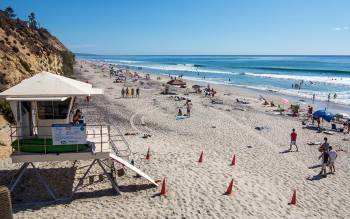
265	174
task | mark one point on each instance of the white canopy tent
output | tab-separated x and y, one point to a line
46	84
43	100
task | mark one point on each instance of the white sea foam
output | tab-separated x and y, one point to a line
319	79
342	97
184	67
127	61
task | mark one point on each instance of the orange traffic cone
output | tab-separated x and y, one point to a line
148	155
163	190
200	160
229	188
233	162
294	198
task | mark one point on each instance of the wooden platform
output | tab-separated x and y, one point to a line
31	157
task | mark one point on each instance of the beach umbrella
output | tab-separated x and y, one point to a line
176	82
328	116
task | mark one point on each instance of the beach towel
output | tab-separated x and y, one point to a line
181	117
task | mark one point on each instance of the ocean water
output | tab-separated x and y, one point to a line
319	75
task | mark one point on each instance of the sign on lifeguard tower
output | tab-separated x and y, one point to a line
63	134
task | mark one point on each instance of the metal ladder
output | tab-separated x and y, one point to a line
122	150
116	136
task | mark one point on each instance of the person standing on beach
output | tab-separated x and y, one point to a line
313	98
309	111
188	107
127	92
123	92
137	92
132	92
318	120
293	140
325	146
332	156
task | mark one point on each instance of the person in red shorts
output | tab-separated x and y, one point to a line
293	140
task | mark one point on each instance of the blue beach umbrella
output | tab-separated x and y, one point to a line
328	116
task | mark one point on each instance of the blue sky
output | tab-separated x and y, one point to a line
194	26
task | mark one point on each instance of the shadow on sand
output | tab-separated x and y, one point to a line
287	151
316	177
315	166
31	194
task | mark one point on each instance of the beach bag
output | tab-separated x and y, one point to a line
321	148
121	172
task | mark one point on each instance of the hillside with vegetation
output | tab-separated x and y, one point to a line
26	49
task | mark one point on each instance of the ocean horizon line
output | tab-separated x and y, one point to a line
252	55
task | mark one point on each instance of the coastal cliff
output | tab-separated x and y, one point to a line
26	49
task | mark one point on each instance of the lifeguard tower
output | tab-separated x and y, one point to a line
43	107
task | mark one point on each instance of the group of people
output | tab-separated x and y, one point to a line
334	96
188	106
328	154
126	92
209	91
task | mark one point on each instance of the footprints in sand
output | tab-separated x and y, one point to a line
137	121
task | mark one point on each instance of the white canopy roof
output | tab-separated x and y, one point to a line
46	84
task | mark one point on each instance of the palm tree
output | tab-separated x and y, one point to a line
32	20
9	12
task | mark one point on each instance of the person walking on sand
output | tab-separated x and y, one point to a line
123	92
332	156
132	92
137	92
293	140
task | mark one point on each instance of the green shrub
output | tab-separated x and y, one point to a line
5	109
68	62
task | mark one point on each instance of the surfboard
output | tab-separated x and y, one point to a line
133	168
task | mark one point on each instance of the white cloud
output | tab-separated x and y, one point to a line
340	28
